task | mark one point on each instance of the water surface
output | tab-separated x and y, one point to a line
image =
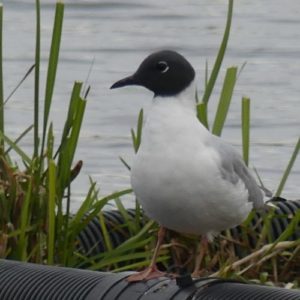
117	35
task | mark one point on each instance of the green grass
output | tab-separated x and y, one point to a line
210	83
37	79
225	99
36	224
246	128
1	78
288	169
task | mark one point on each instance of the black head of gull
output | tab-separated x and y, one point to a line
165	73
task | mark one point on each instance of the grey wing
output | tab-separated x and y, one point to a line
234	169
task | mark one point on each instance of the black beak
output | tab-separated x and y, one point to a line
130	80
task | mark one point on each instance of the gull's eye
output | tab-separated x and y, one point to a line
162	66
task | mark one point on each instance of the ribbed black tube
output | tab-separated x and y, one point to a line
23	281
91	238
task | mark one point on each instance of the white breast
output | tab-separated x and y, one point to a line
176	176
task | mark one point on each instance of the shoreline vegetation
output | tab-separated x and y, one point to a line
36	224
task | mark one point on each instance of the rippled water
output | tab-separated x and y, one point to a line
119	34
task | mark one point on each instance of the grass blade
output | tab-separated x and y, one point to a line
137	138
206	75
246	128
75	96
128	220
51	211
121	258
86	87
139	128
1	79
125	163
288	169
19	84
71	135
91	208
52	66
215	71
85	206
132	240
17	140
104	230
25	216
78	118
16	148
224	102
289	230
202	114
37	78
102	202
140	264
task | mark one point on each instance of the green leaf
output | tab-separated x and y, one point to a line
19	84
246	128
139	265
37	78
1	79
51	211
125	258
139	129
73	107
102	202
288	169
128	220
52	65
16	148
50	142
225	99
132	240
137	138
18	139
206	75
106	236
70	137
215	71
85	206
125	163
202	113
91	208
25	217
292	227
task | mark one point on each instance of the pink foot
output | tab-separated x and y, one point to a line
147	274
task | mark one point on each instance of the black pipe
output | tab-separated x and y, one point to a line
91	241
91	238
25	281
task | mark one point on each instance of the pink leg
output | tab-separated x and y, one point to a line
152	271
203	246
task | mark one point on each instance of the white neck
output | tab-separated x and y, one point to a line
186	98
171	121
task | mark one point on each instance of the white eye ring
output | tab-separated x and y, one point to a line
162	66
